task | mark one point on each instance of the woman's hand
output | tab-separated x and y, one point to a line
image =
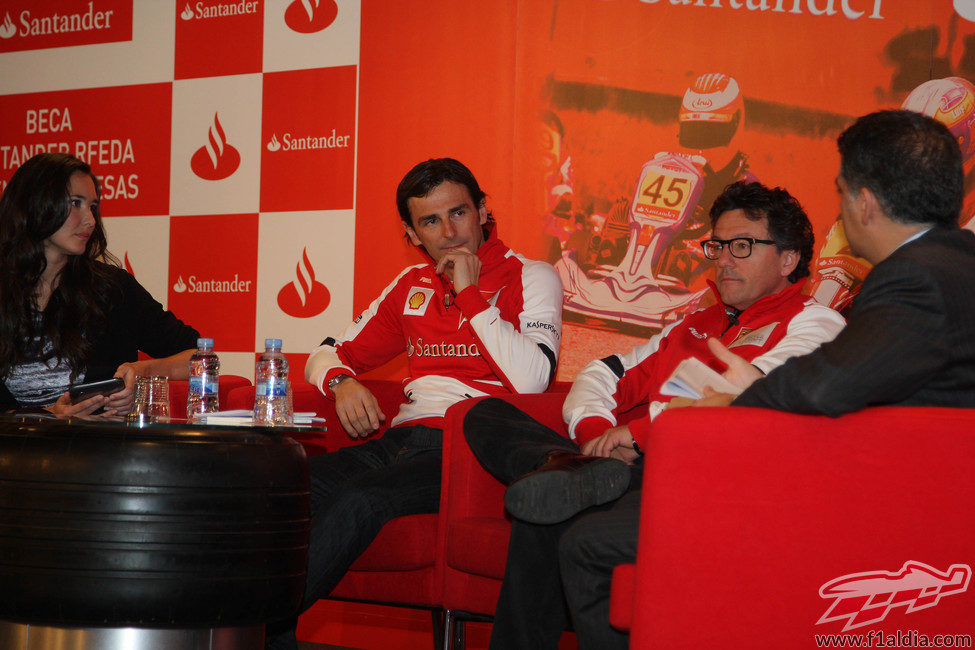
173	367
120	403
64	406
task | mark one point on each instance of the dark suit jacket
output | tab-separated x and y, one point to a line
909	341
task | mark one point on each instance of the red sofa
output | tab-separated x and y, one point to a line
747	514
756	523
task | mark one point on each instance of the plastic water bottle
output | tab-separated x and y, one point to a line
272	399
204	381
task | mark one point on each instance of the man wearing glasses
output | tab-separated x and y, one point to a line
909	342
560	489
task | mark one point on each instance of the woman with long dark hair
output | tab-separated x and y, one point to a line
68	313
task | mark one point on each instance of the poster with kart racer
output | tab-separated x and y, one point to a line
644	109
635	267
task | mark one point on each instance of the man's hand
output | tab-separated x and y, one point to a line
679	402
614	443
461	266
357	408
712	398
739	372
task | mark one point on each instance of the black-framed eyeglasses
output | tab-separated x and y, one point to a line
739	247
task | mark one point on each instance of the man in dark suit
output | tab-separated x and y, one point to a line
910	339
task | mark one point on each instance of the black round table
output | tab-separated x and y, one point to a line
158	537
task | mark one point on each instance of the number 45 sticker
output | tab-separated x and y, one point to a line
664	196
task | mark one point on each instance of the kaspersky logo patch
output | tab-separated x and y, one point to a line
417	299
309	16
216	159
864	598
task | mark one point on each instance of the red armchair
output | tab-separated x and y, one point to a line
748	515
474	544
399	567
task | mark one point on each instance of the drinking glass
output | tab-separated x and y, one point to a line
151	401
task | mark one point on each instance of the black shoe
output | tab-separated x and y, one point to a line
565	485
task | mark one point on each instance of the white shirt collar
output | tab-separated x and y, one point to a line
916	235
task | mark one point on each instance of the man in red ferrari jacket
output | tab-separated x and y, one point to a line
475	319
761	244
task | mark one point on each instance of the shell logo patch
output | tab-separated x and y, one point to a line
417	300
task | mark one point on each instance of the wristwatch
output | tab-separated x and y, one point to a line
336	380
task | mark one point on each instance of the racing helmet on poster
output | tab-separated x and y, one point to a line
711	112
951	101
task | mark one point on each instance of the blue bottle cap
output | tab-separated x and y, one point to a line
204	343
272	344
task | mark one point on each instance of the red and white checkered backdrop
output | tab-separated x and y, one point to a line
224	136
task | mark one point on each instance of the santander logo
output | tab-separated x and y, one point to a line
217	159
220	10
309	16
274	144
305	296
7	28
195	284
864	598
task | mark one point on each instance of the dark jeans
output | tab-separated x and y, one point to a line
508	442
354	492
550	567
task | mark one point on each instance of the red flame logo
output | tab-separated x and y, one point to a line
309	16
305	297
215	160
128	265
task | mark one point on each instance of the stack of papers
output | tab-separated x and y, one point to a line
243	417
691	376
